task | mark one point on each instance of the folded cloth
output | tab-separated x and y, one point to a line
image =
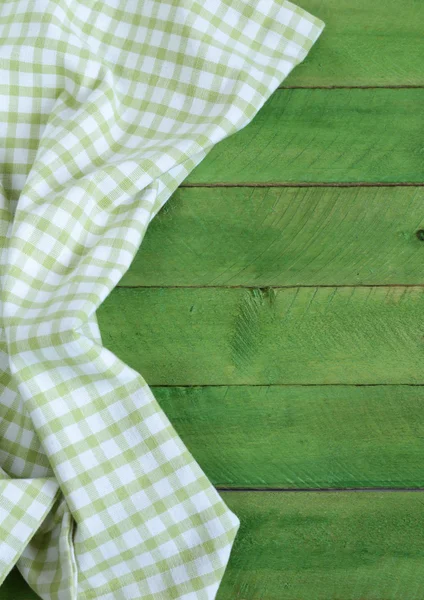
105	107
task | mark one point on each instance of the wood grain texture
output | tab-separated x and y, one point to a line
364	43
343	135
284	236
317	546
326	546
301	546
177	336
302	436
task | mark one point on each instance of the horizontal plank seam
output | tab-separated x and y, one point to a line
297	490
346	184
269	287
225	385
399	86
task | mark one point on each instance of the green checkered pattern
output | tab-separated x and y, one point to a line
105	107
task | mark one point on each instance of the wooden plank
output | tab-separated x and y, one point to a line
327	335
326	546
343	135
15	588
364	43
284	236
316	546
302	436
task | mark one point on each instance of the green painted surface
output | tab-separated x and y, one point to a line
326	546
364	43
284	236
342	135
266	432
186	336
302	436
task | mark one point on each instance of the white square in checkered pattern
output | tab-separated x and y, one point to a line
106	108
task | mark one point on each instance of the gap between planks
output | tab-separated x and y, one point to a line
351	87
197	385
268	287
250	385
308	184
303	490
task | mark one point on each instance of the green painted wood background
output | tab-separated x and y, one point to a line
276	307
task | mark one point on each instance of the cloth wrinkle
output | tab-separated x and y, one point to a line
105	109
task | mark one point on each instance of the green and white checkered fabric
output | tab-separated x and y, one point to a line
105	107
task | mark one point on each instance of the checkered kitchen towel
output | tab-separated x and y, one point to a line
105	107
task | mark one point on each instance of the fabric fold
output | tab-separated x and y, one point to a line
106	108
24	504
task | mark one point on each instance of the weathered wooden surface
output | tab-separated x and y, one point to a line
311	335
259	410
302	436
326	546
364	43
284	236
317	546
342	135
